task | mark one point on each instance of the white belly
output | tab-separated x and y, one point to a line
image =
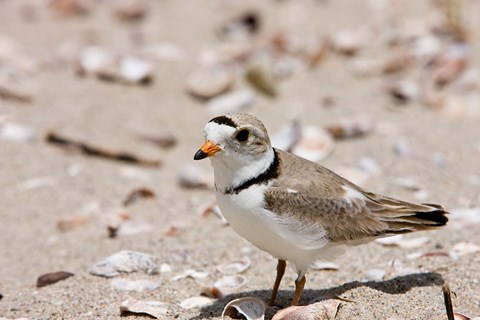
246	215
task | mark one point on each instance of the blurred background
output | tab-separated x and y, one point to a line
103	103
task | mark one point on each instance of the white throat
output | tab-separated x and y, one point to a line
230	172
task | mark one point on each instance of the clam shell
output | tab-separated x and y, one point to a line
251	308
195	302
155	309
323	310
208	82
124	262
314	145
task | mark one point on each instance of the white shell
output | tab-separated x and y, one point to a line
230	284
314	145
251	308
233	102
154	308
190	273
195	302
16	132
323	310
375	274
400	241
209	82
95	59
194	176
235	267
125	262
134	285
135	70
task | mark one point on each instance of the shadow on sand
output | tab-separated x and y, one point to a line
398	285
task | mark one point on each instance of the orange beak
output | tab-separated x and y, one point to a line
208	149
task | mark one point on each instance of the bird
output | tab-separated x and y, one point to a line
295	209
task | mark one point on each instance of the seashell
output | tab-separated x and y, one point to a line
350	41
130	10
72	7
16	132
131	228
193	176
175	228
242	26
16	84
259	74
190	273
235	267
208	82
418	254
93	60
287	136
375	274
51	278
124	262
449	65
195	302
404	90
249	307
230	284
165	268
212	207
400	241
155	309
315	144
137	194
233	102
463	248
134	70
351	127
134	285
323	310
325	265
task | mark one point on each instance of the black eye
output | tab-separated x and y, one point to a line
242	135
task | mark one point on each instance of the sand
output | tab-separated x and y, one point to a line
109	114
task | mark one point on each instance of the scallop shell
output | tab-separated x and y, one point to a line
314	145
251	308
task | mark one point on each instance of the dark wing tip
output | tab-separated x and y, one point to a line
435	217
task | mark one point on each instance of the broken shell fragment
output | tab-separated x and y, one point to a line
350	127
16	84
155	309
225	286
405	90
400	241
195	302
124	262
323	310
193	176
231	102
235	267
16	132
249	307
135	70
134	285
190	273
130	10
314	145
208	82
51	278
260	75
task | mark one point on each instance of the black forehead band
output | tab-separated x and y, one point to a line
224	120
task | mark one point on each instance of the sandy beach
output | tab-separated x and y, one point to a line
414	152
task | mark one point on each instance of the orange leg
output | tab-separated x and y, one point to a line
282	264
299	285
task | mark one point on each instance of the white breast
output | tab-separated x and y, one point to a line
284	238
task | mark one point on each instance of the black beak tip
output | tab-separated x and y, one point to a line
200	155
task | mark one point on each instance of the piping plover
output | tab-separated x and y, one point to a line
295	209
